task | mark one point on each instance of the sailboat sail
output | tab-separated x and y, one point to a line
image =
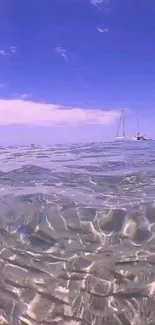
121	121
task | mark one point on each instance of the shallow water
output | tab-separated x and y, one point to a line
77	234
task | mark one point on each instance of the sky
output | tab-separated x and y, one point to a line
68	68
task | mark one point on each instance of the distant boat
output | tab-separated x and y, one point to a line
32	145
123	137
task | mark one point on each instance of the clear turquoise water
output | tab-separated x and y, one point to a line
77	234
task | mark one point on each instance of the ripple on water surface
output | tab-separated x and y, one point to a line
77	235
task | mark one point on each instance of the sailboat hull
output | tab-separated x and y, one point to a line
131	139
126	138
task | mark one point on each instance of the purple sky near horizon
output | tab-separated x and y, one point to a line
86	54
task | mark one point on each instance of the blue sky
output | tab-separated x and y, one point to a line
67	68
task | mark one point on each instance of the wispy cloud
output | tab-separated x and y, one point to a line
59	50
102	4
96	2
25	96
3	52
102	30
13	49
9	51
17	111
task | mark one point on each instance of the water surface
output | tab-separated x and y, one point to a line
77	234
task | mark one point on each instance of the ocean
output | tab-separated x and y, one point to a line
77	234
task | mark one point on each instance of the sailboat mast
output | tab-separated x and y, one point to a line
123	123
120	120
137	123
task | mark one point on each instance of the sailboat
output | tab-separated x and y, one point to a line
123	137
